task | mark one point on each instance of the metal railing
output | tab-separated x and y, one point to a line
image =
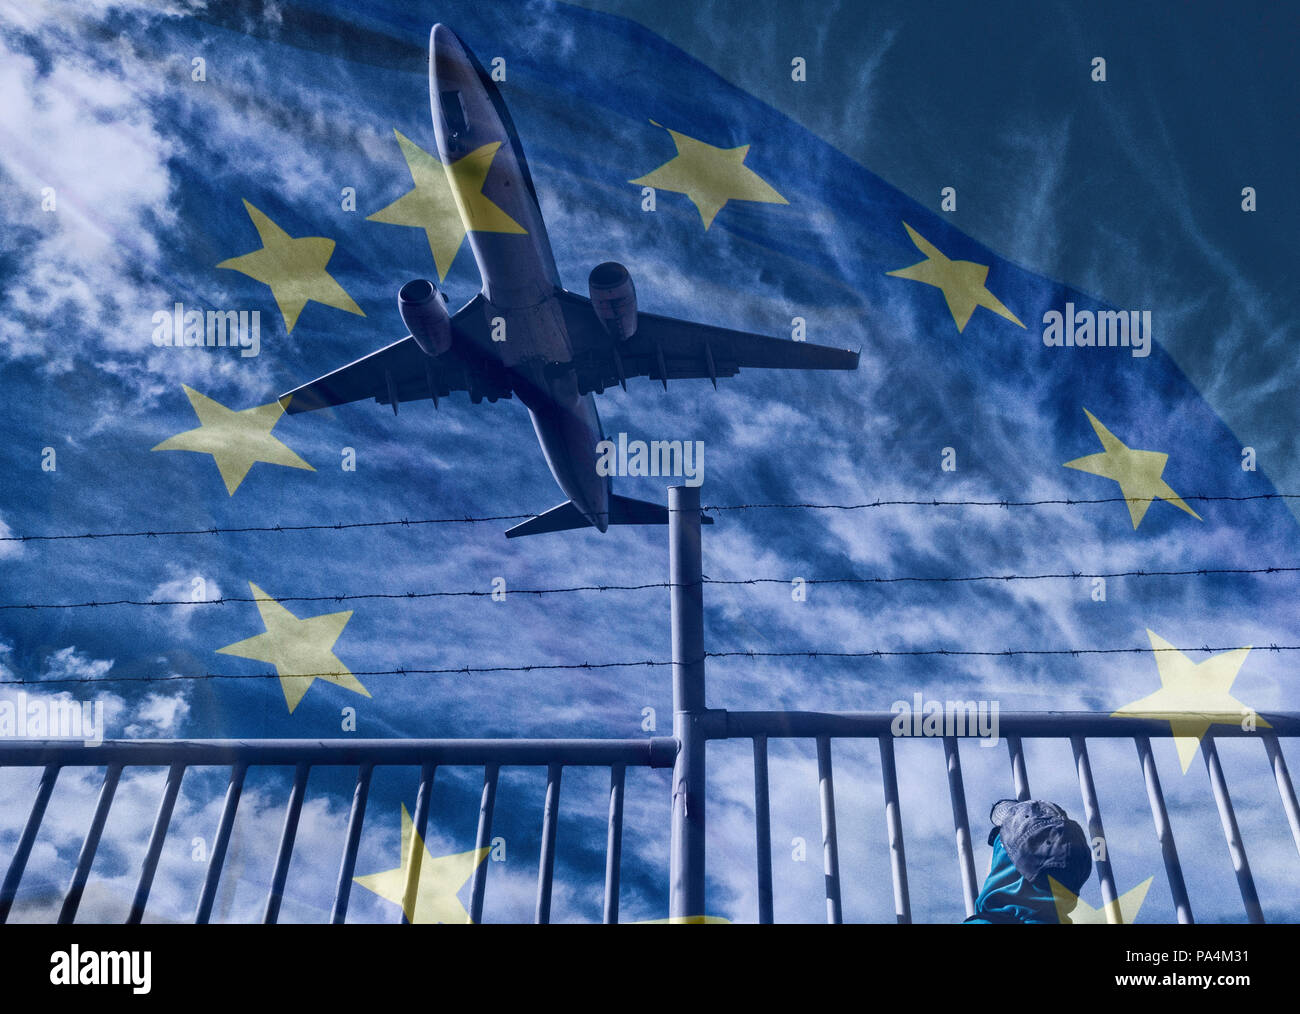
365	756
618	755
1014	727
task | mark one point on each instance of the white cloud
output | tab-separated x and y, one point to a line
158	715
106	161
8	550
68	663
184	584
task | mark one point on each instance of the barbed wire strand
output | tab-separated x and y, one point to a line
469	519
649	663
656	585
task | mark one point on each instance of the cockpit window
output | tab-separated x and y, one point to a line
453	111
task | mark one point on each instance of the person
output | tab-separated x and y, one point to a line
1034	842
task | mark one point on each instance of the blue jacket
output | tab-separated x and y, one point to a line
1008	897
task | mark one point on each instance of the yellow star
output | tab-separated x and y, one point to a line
709	176
962	282
1070	908
1137	472
439	880
293	268
236	440
1196	691
686	920
447	201
300	650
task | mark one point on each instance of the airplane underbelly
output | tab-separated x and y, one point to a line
568	430
515	271
528	333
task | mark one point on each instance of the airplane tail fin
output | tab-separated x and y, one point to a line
623	510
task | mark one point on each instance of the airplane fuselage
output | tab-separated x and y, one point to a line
498	205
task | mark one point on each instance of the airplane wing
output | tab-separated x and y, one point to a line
667	349
401	372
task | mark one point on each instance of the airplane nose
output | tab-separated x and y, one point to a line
444	45
438	36
453	84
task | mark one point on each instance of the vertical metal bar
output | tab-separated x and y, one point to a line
290	831
217	857
763	830
1092	812
156	838
19	862
685	568
414	857
483	839
1019	778
1236	849
614	843
546	865
88	847
830	842
1284	787
961	823
894	828
1164	831
356	816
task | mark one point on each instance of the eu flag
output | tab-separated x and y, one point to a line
206	209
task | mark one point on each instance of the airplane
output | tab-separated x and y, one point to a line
560	348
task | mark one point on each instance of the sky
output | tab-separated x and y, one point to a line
128	177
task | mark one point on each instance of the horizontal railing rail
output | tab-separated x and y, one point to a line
1045	724
649	752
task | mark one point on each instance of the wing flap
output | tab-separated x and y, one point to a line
401	372
665	348
367	377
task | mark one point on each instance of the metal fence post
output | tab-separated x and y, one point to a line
685	570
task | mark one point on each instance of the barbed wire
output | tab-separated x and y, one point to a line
1005	653
481	519
341	597
337	526
457	670
1068	502
656	585
1071	575
644	663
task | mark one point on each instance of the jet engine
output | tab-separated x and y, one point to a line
613	297
424	312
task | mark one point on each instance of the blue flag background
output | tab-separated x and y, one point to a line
151	169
